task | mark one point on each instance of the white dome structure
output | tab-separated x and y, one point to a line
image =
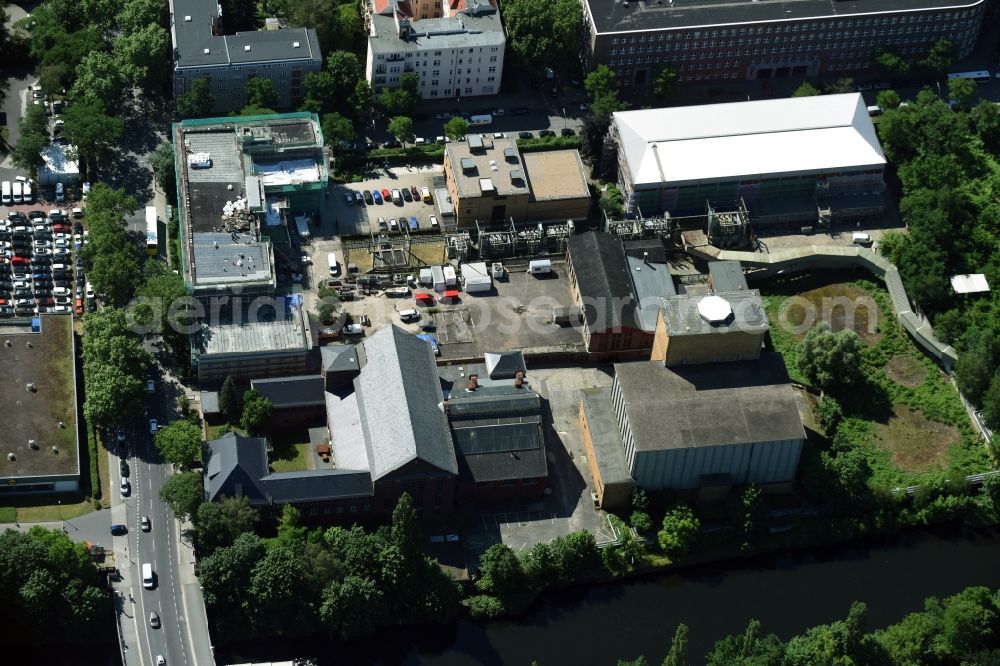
714	309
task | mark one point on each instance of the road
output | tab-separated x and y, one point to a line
175	596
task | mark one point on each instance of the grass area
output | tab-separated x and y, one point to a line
8	514
290	452
39	509
217	431
906	416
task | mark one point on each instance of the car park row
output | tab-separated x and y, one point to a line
37	273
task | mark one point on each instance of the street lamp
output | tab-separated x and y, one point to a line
565	120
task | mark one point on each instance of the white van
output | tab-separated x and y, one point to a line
409	315
147	576
331	259
26	188
861	239
397	198
5	197
539	266
18	193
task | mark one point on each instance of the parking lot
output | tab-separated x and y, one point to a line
353	219
37	272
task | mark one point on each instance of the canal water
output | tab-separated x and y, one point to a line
601	624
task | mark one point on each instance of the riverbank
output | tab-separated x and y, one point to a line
789	591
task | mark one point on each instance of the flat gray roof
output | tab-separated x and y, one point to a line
471	164
605	436
192	33
259	337
727	276
641	15
437	33
652	281
709	404
221	259
683	314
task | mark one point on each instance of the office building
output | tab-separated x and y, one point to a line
707	40
203	50
456	49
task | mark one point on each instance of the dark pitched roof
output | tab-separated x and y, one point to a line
603	280
401	404
500	449
709	404
237	467
503	365
340	358
298	391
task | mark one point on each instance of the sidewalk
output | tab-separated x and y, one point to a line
195	615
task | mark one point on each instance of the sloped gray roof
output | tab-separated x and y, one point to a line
602	277
340	358
502	365
235	466
401	404
238	468
298	391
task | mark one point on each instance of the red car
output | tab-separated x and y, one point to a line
79	307
20	261
45	301
386	195
60	228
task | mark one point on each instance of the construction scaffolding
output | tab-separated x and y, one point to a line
727	226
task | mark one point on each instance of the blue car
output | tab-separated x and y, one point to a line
413	224
39	277
377	197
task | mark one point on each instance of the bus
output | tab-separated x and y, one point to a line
152	241
981	76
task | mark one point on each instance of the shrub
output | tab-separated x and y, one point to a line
485	607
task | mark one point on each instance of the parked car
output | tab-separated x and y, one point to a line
126	488
150	386
386	194
567	131
406	194
377	197
367	195
525	135
154	620
546	133
359	198
520	111
153	427
348	198
353	329
118	530
123	467
433	221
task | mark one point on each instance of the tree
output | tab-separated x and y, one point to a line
985	118
806	90
91	129
961	91
748	649
612	202
115	202
678	532
362	99
401	100
141	54
228	403
220	523
401	127
179	442
941	56
678	648
842	85
752	516
829	359
99	77
319	92
256	410
165	306
891	63
162	162
600	82
456	128
290	529
406	533
183	493
116	274
545	32
196	102
830	414
540	565
114	365
485	607
975	368
991	404
239	16
665	81
260	93
354	607
224	576
137	14
278	593
604	107
337	129
576	555
500	572
27	153
887	99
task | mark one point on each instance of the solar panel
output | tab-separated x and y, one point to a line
497	438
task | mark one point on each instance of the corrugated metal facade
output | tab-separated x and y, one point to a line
682	469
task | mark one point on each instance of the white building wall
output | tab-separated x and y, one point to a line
443	73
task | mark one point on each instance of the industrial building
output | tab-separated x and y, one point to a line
708	411
784	162
618	286
705	40
488	180
394	425
203	50
41	451
455	48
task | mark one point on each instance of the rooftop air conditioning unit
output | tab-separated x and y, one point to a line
246	47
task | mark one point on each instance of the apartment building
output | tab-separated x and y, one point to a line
455	47
202	51
707	40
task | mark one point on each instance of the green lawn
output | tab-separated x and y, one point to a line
8	514
906	415
290	452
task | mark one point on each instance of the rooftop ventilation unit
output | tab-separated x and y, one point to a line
29	387
206	52
246	48
187	19
295	45
33	444
11	457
